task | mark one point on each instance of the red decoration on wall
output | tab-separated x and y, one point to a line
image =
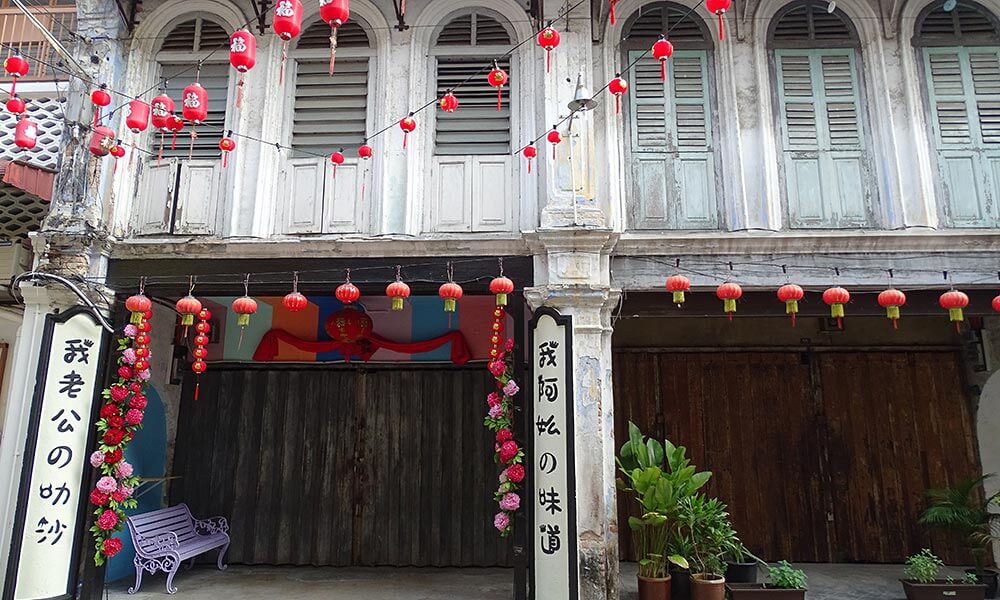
335	13
26	133
954	301
137	116
449	102
530	152
618	87
548	39
16	66
790	294
243	57
498	78
891	299
662	51
836	298
101	98
227	145
678	285
408	124
16	105
729	293
200	352
719	7
501	286
554	138
102	139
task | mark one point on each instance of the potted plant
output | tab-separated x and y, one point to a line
784	583
706	522
741	564
961	511
659	476
922	582
679	544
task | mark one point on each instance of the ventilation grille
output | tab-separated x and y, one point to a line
810	23
476	127
473	29
47	112
20	212
195	35
215	80
349	35
662	18
330	112
963	24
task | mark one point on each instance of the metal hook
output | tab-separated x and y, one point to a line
191	281
246	285
500	260
399	272
142	284
295	281
348	275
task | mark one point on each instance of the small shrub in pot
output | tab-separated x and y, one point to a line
922	581
784	583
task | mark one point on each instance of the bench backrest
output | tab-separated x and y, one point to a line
177	519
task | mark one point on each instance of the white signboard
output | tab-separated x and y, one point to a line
552	534
49	520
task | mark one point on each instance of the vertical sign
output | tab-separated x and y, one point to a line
552	530
47	524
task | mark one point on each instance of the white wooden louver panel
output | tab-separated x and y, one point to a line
799	104
215	80
476	128
330	112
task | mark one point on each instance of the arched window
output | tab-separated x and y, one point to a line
961	63
670	148
472	145
827	165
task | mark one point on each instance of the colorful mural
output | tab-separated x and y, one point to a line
422	318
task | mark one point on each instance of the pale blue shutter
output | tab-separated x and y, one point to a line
964	88
827	170
673	170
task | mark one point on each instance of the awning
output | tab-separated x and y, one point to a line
35	181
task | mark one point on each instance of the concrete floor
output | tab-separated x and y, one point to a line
826	582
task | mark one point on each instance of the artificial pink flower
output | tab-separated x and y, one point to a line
511	388
515	473
107	520
501	521
124	469
503	477
126	491
509	345
144	375
510	502
133	416
107	484
128	356
496	411
97	459
131	330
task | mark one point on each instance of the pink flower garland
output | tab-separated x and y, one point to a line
120	418
499	420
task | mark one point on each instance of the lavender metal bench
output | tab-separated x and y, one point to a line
165	538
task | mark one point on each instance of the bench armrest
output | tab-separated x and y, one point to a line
162	543
211	525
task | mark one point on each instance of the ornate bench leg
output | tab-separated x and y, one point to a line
170	578
138	576
222	565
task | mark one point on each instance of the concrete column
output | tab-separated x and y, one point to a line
573	277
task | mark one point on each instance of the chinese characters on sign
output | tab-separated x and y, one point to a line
51	486
553	529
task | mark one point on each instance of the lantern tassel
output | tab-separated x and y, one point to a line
284	57
405	135
333	48
402	8
197	388
239	91
618	104
97	116
722	28
194	136
613	18
499	98
173	142
159	156
663	70
548	61
529	166
240	343
225	159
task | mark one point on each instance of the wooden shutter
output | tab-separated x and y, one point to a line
964	89
827	173
215	80
330	112
673	174
476	127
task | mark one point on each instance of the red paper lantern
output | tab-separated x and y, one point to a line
335	13
729	293
618	87
348	293
548	39
662	51
891	299
408	124
16	66
836	298
16	105
100	97
227	145
117	151
365	152
451	292
137	116
678	285
530	152
337	158
163	109
954	301
194	108
287	19
348	325
175	125
996	303
398	291
102	139
498	78
295	302
243	57
138	305
244	307
790	294
26	134
719	7
554	138
188	307
501	286
449	102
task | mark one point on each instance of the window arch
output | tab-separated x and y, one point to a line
670	123
961	67
827	165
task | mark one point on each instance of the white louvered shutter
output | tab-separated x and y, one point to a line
330	112
215	80
476	128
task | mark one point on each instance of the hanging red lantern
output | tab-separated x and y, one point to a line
102	140
729	293
618	87
287	24
347	292
295	302
498	78
530	152
162	110
678	285
662	51
136	116
16	105
200	352
451	293
175	125
335	13
398	291
954	301
449	102
337	158
16	66
194	108
227	145
26	133
244	307
996	303
891	299
101	98
790	294
188	307
408	124
501	286
138	305
365	152
719	7
243	57
117	151
548	39
554	138
836	298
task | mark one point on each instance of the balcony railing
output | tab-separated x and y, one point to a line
17	31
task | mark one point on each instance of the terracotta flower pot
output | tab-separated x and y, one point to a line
708	587
654	589
942	589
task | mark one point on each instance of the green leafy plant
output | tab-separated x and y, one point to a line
961	511
970	579
923	567
705	523
786	577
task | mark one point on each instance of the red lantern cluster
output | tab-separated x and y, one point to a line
227	145
719	7
26	133
188	307
102	140
138	305
496	337
137	116
337	158
449	102
347	292
101	98
554	138
244	307
200	352
16	66
530	152
662	51
287	24
16	105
